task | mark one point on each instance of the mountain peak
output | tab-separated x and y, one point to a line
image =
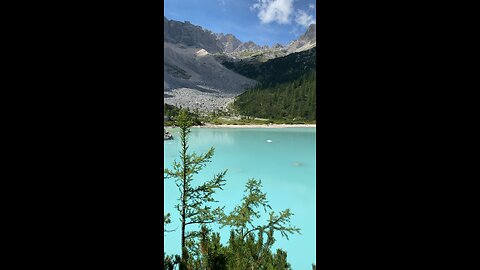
311	33
190	35
306	41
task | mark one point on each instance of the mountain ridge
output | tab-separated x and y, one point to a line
193	35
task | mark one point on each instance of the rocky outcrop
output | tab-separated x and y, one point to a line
307	41
248	46
190	35
278	46
229	42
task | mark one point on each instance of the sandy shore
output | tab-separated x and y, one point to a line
259	126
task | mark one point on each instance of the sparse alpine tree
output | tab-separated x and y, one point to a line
195	201
242	218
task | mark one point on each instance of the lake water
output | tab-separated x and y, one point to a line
283	159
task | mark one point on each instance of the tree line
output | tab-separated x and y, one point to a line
295	99
172	112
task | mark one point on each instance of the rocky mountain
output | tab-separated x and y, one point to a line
305	42
248	46
194	72
190	35
278	46
194	78
198	69
229	42
253	52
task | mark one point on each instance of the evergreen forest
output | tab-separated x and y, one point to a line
286	89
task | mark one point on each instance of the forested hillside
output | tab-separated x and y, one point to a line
287	88
278	70
291	100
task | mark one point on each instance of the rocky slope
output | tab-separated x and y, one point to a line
193	74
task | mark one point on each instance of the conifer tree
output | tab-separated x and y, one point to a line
244	222
242	218
195	201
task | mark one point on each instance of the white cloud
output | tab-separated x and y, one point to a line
312	6
274	10
302	18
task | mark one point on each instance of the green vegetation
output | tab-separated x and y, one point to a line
229	118
255	121
234	121
287	89
172	112
250	243
245	54
295	100
286	93
195	201
277	70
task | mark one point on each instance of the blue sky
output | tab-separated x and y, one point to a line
265	22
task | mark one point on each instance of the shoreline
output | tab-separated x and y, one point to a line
259	126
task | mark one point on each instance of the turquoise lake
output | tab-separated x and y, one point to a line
284	159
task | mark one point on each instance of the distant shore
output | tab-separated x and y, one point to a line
259	126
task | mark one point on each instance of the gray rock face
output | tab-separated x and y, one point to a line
311	34
306	41
190	35
193	78
250	50
229	42
248	46
277	46
198	69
